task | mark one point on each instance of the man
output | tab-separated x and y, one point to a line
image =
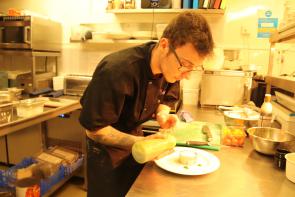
129	87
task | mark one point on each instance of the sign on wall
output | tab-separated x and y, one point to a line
266	24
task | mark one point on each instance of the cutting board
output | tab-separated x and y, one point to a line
193	132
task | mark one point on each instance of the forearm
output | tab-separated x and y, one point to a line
112	137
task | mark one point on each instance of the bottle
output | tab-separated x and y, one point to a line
266	107
147	150
129	4
176	4
266	111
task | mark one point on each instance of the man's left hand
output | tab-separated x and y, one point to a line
167	121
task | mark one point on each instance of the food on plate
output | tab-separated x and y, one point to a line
233	136
147	150
187	157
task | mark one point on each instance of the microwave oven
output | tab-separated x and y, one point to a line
30	32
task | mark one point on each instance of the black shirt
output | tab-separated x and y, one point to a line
123	91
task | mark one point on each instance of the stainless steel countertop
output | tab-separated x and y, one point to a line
243	172
19	123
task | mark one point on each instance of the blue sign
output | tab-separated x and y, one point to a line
266	25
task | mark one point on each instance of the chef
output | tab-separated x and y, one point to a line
130	87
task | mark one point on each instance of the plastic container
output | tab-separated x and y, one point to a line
233	136
290	166
191	96
6	112
30	107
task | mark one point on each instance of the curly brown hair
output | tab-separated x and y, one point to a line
190	27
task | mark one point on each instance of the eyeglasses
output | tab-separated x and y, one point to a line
183	68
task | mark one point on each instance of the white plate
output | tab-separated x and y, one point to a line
206	162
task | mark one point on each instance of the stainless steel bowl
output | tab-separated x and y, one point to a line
266	140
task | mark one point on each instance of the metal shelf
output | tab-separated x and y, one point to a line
149	11
285	83
283	35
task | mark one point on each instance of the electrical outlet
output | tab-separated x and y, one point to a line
245	31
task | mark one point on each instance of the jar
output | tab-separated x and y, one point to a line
279	158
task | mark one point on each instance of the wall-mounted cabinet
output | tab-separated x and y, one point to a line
284	35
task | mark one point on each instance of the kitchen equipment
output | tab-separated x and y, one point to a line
206	162
266	140
243	118
156	3
20	79
286	101
225	87
3	79
11	94
30	107
76	84
30	32
290	166
284	118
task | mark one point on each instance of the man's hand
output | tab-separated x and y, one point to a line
166	120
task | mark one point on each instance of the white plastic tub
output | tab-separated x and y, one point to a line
191	96
290	166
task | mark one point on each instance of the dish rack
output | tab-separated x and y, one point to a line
6	111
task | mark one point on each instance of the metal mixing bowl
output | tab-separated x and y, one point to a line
266	140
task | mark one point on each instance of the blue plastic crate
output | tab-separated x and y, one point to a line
46	184
8	176
69	169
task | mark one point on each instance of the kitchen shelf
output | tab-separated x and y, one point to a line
283	35
286	83
149	11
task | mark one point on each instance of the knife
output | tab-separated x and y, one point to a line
207	132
